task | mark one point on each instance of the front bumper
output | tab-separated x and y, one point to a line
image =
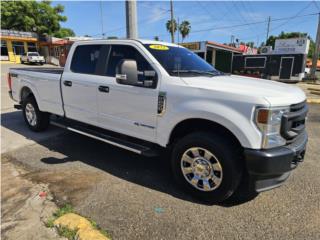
36	61
271	167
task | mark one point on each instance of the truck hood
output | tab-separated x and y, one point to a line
275	93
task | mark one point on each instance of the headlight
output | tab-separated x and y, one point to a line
268	120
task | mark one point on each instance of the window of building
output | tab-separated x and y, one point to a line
255	62
18	48
4	50
32	47
86	58
120	52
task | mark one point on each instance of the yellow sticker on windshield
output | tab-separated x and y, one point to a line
159	47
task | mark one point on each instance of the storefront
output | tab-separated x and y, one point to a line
218	55
15	43
54	49
286	62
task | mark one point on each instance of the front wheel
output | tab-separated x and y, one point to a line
35	119
208	166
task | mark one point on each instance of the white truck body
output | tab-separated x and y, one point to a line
227	100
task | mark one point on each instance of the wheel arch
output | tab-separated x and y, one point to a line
187	126
25	92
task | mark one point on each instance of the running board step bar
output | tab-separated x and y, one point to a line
130	146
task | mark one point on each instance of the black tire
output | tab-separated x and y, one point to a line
42	118
226	152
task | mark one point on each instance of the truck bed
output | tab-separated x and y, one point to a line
53	70
44	83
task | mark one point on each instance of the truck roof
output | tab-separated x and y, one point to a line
143	41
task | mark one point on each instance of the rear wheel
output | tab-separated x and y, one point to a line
208	166
35	119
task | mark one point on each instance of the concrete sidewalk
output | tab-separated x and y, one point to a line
23	211
312	91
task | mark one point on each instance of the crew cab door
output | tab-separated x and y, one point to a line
128	109
79	84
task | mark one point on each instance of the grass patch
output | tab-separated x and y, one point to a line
60	212
66	232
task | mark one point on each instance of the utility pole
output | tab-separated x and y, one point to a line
316	51
131	18
268	28
172	23
101	13
232	40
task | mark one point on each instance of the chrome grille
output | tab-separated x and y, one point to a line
293	122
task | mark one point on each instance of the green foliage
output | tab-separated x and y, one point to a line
60	212
63	210
169	26
64	32
32	16
184	29
70	234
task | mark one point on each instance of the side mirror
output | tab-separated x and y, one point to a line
127	72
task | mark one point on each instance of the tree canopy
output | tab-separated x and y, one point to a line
34	16
184	29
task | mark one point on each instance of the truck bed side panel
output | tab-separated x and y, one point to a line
44	84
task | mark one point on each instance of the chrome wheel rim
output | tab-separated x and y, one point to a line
31	114
201	169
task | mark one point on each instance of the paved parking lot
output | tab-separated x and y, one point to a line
134	197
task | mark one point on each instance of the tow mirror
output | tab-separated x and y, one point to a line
127	72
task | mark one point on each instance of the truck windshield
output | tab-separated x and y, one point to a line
181	61
33	54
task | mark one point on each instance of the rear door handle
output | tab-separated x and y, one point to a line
103	89
67	83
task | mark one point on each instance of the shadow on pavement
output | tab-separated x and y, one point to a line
153	173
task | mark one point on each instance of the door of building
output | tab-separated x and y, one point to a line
286	66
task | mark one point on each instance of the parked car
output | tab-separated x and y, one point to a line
32	57
224	132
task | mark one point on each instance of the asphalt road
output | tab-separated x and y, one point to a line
134	197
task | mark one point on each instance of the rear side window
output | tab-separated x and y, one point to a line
85	59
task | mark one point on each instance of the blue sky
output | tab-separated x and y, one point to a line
84	17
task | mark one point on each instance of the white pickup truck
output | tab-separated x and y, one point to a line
145	96
32	57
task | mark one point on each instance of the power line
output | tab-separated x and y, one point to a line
262	33
139	22
316	4
297	14
247	24
253	23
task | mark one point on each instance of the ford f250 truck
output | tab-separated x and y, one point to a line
146	96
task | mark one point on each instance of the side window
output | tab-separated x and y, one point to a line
120	52
86	59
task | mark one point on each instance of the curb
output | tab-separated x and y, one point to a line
312	100
85	230
6	62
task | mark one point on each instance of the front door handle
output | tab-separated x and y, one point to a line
103	89
67	83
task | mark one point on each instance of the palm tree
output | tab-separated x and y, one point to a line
184	29
171	29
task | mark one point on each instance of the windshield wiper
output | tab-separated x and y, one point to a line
196	71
